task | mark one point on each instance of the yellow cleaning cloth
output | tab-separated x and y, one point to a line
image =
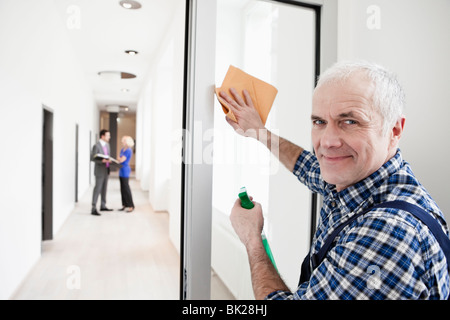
262	93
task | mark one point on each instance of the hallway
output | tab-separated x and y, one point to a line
115	256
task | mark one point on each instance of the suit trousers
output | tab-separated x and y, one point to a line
127	198
101	185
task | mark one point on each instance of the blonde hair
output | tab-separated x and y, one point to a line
128	141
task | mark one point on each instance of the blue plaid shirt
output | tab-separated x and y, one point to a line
384	254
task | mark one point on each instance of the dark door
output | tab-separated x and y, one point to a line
89	153
47	176
76	162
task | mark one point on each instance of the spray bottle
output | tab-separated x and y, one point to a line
248	204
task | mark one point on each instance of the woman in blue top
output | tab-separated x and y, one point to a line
124	173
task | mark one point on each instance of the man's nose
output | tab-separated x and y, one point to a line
331	137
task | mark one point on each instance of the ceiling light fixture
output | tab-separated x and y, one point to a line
116	75
131	52
110	75
130	4
114	108
126	75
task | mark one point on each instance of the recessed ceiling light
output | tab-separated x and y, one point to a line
110	75
116	75
131	52
130	4
116	108
126	75
113	108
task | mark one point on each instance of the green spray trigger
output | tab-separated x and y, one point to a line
245	200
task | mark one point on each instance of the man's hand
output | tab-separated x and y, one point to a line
249	122
248	223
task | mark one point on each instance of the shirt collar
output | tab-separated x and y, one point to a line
103	143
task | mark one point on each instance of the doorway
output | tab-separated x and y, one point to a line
276	42
47	175
280	31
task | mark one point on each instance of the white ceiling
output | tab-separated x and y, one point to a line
101	30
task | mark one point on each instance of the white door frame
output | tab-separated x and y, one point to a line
198	118
196	173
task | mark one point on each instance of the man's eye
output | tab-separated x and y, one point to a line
350	122
318	122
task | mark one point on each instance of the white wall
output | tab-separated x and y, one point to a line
159	119
161	127
411	38
37	67
143	136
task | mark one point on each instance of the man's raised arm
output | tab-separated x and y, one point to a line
249	124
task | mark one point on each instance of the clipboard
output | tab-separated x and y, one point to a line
114	162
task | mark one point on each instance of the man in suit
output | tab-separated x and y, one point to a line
101	171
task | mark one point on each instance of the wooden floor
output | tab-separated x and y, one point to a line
114	256
117	255
120	256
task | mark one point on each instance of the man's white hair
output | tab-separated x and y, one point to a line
388	95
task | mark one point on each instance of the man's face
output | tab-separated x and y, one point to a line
347	132
106	136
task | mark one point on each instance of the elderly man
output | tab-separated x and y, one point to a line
373	252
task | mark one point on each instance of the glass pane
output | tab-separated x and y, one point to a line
274	42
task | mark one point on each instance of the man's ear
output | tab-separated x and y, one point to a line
397	131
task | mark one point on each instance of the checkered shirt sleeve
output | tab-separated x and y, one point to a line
307	171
